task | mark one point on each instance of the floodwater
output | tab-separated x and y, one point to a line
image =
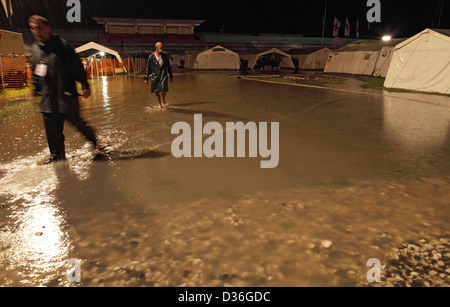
358	175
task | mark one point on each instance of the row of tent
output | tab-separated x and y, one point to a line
420	63
223	58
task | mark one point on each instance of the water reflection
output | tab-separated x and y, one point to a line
34	244
415	127
106	97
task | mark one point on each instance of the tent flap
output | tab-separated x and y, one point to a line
272	57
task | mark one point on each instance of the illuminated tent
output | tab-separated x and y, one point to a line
102	65
422	63
93	48
217	58
273	58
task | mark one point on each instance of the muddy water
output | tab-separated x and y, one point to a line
364	173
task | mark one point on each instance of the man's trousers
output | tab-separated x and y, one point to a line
54	126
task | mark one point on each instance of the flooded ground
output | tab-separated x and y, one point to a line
361	172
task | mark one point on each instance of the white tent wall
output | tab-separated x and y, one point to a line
422	63
362	58
11	43
313	61
191	59
353	62
383	62
218	58
287	63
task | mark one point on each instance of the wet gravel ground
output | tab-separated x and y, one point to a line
360	177
419	264
308	237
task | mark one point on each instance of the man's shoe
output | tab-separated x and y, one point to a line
53	159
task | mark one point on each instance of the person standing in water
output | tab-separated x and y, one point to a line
56	69
160	70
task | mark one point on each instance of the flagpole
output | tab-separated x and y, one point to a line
8	15
440	14
324	20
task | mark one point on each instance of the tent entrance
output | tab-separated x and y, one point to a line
269	60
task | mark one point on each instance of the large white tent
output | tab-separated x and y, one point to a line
273	58
362	58
422	63
310	58
218	58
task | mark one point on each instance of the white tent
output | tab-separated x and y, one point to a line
218	58
310	58
11	43
362	58
422	63
269	58
93	48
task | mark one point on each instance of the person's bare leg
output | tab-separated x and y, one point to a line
164	103
158	99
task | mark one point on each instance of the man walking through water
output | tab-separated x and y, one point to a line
56	68
159	68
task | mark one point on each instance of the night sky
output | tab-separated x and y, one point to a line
400	18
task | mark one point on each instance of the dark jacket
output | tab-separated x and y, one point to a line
159	74
63	68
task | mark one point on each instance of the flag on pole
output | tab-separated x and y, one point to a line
357	28
347	27
9	12
336	27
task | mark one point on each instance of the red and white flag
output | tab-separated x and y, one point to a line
336	27
347	27
357	28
